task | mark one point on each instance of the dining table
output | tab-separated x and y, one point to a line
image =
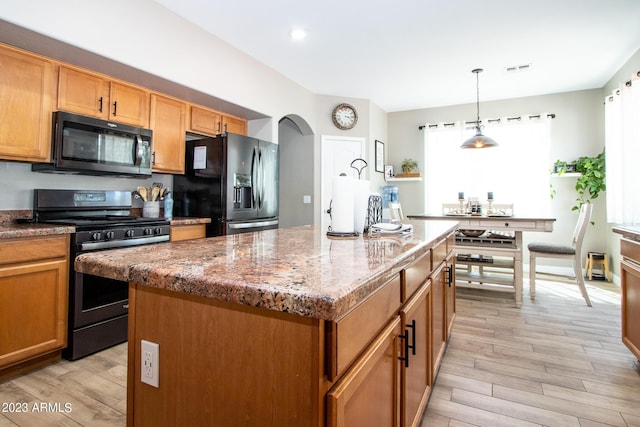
489	252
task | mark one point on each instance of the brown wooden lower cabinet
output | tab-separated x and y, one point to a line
228	364
33	301
188	232
630	287
416	370
369	393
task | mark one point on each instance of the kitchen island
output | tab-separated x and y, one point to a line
286	327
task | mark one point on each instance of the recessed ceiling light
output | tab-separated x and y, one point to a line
298	34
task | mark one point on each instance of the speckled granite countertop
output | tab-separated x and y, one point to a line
10	229
297	270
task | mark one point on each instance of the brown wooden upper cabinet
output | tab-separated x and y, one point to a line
205	121
27	88
93	95
168	122
234	125
210	122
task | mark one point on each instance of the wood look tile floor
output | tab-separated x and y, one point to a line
553	362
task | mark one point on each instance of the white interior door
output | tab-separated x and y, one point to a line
337	153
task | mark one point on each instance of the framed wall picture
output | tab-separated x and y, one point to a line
388	171
379	156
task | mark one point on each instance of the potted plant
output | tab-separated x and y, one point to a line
409	166
591	181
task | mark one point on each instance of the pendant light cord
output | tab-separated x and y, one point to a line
477	71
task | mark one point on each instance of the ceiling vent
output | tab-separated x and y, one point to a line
518	68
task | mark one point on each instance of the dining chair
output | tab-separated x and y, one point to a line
572	252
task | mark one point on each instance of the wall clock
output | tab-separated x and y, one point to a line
344	116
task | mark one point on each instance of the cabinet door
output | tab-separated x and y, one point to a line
26	105
129	105
206	122
630	287
234	125
168	122
368	394
83	93
438	326
33	310
416	372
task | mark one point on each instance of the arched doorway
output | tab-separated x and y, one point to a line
297	197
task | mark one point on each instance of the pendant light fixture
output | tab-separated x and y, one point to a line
479	140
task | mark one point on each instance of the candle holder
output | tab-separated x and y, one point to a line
490	207
461	209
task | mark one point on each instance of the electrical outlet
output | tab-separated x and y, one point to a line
150	363
306	199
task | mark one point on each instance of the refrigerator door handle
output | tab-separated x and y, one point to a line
254	172
261	179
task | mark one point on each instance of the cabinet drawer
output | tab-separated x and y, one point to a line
505	224
415	275
630	249
439	253
349	336
33	249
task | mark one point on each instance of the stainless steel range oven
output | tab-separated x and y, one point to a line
97	306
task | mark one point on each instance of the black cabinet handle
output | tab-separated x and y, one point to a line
406	348
115	106
100	104
449	271
413	337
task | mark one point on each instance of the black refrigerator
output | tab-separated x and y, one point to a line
232	179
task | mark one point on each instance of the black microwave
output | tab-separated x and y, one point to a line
90	146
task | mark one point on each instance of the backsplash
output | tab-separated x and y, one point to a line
18	182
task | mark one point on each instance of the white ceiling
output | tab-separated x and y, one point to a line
408	54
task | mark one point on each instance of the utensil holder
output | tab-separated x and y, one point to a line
151	209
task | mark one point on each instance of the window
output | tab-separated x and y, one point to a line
622	136
517	171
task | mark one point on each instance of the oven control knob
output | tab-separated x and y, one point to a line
148	231
108	235
95	236
128	233
158	230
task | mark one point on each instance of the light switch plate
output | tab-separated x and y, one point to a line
306	199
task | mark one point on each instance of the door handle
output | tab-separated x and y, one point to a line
405	338
412	325
115	107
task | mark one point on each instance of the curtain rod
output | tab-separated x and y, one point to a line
475	122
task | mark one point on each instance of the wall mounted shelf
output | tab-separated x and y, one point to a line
567	175
418	178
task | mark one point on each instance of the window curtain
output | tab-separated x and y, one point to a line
622	143
517	171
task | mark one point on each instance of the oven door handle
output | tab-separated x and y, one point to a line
111	244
